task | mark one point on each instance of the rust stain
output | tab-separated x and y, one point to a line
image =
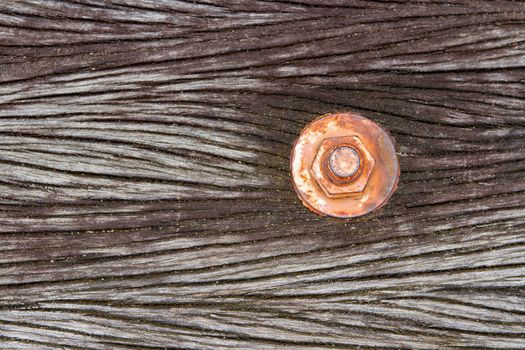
362	190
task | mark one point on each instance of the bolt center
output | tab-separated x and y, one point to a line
344	161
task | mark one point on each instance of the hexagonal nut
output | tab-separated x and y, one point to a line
333	185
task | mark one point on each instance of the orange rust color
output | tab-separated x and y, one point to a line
320	189
343	163
333	185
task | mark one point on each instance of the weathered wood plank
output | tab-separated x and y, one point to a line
145	199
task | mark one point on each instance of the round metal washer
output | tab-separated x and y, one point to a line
333	199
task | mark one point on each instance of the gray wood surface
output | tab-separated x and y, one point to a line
145	199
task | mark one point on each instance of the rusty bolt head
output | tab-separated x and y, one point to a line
344	165
344	162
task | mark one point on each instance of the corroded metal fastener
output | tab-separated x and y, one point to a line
344	165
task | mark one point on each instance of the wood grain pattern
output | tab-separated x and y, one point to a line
145	200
